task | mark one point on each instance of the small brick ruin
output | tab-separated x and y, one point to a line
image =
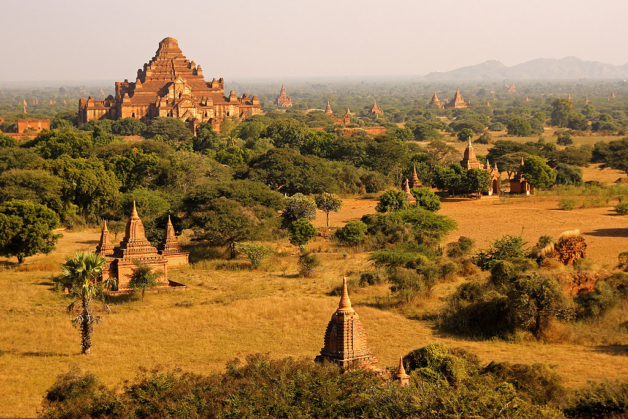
569	247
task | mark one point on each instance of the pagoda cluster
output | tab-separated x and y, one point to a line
135	248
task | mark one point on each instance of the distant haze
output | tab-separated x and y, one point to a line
88	40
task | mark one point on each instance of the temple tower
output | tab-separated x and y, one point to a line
135	243
435	101
345	338
104	248
283	100
470	161
456	102
171	248
415	182
401	376
328	110
512	89
376	110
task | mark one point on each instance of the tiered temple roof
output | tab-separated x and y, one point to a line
170	85
512	89
283	100
376	110
345	338
415	182
457	101
135	248
470	160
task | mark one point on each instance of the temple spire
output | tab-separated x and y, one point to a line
401	376
345	302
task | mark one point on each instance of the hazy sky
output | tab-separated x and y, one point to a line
111	39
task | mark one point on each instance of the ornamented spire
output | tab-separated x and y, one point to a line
328	110
104	247
345	302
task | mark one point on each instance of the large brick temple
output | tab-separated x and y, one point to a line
170	85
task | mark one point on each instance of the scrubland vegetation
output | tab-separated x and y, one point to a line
472	292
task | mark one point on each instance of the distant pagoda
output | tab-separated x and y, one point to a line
511	88
283	100
345	338
456	102
376	110
436	102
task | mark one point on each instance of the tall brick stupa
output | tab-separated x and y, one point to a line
345	338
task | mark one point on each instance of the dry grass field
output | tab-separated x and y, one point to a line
232	313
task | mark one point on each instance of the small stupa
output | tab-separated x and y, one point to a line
345	338
376	110
401	376
104	248
415	182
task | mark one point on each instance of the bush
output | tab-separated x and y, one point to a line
507	247
485	138
439	362
371	278
496	126
460	248
298	207
425	198
608	399
352	233
308	262
256	253
597	302
565	140
301	232
622	208
567	204
392	201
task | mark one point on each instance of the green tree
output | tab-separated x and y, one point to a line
128	126
134	168
301	232
232	156
6	141
170	130
82	270
404	134
223	222
207	139
328	202
287	133
143	277
561	111
425	198
568	175
477	180
392	201
465	134
519	127
538	173
450	179
428	131
613	155
289	172
54	144
26	229
86	183
353	233
246	192
37	186
534	300
298	207
578	122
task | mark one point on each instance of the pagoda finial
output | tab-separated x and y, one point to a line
522	160
104	228
345	302
134	212
401	370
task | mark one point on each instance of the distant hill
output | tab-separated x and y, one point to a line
541	69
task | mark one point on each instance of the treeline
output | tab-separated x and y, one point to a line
444	383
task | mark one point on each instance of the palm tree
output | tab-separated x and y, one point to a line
83	269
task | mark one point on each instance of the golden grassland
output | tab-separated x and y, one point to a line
228	313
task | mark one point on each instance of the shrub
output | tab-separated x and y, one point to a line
507	247
371	278
567	204
460	248
308	262
538	383
298	206
496	126
392	201
597	302
439	362
425	198
565	140
352	233
485	138
301	232
622	208
256	253
608	399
